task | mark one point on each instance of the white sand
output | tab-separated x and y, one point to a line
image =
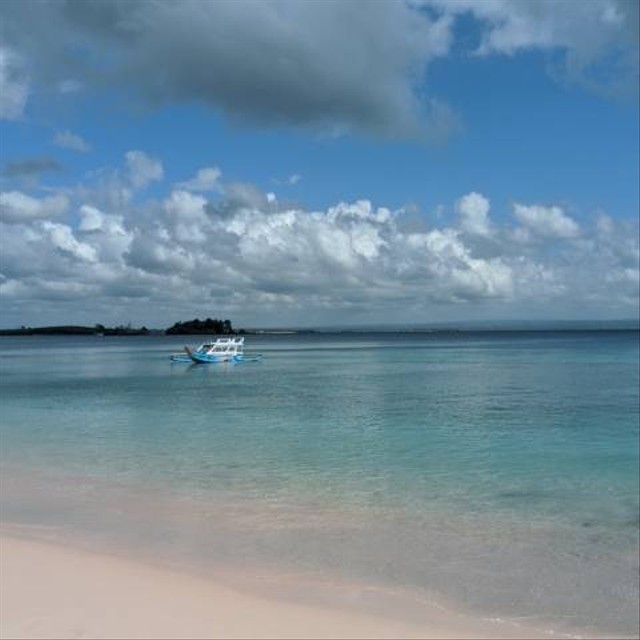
47	591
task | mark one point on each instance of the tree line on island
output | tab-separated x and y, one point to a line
189	327
77	330
209	325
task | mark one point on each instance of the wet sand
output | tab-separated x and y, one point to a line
53	591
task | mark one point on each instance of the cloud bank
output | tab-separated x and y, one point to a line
89	255
330	66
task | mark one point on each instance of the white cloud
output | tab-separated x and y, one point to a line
157	254
143	169
184	206
473	210
605	224
14	85
276	69
69	140
249	257
106	234
584	27
361	210
546	222
589	33
294	178
18	207
206	179
91	219
63	239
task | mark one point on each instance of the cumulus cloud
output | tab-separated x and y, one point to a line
278	68
511	26
594	36
63	239
18	207
156	253
143	169
331	66
108	236
206	179
473	210
69	140
546	222
250	256
238	196
91	218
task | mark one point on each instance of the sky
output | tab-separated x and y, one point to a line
315	163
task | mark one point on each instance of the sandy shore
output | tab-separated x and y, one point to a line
49	591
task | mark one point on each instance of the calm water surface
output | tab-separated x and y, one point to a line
498	470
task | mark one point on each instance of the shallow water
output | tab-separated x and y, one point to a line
499	470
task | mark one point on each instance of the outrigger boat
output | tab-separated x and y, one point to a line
222	350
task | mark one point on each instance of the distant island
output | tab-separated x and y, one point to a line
76	330
224	327
208	326
189	327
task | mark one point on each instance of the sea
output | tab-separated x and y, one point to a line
494	471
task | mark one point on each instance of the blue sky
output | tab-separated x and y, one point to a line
411	162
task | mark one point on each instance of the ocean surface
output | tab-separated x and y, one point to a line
498	471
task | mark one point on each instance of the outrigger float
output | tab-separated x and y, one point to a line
222	350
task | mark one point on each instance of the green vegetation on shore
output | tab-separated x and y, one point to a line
75	330
224	327
208	326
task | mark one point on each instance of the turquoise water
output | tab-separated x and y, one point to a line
498	470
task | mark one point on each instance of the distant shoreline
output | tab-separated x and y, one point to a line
88	331
74	330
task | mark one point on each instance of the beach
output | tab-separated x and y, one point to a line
53	591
